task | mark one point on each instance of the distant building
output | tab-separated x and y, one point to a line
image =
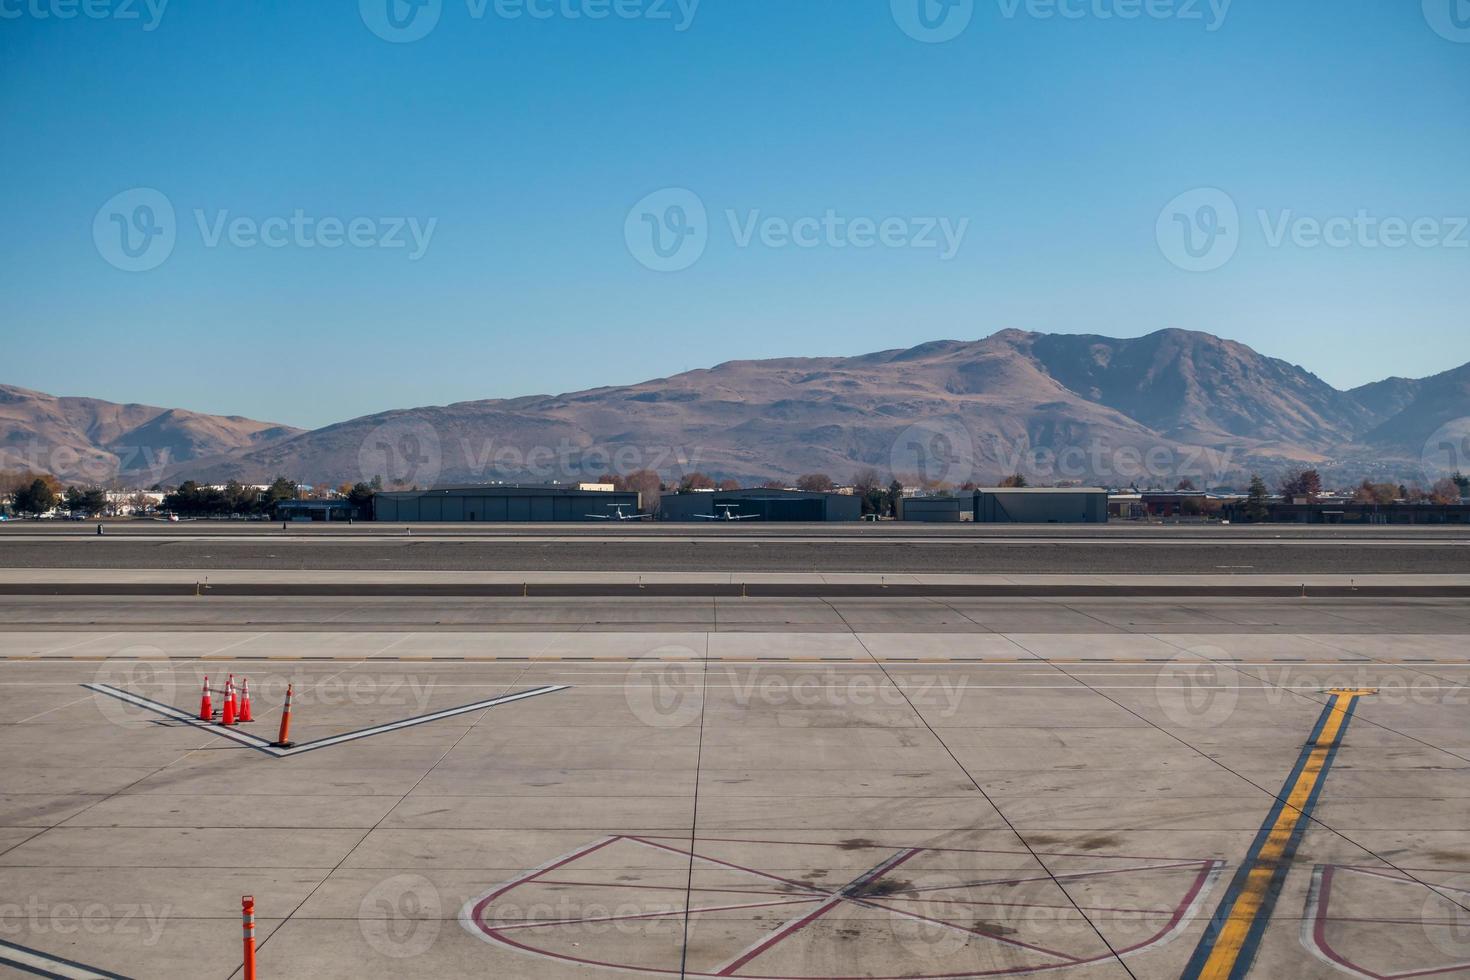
1040	505
338	509
1352	512
502	503
124	503
934	510
763	504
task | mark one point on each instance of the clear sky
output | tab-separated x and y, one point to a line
308	211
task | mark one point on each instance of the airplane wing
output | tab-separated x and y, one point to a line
599	517
746	517
708	517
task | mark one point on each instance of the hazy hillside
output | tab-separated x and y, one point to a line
982	409
1147	410
89	440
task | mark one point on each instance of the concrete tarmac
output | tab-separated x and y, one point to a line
1065	787
787	788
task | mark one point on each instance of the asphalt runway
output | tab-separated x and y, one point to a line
1098	616
1106	549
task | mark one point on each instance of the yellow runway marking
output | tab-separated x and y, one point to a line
1230	941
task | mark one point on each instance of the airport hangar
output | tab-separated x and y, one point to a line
765	504
546	504
1012	505
502	504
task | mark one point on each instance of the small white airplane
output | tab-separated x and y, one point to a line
725	515
618	515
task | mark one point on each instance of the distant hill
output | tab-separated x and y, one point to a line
93	441
1091	408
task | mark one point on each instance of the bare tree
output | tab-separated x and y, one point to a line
647	484
820	482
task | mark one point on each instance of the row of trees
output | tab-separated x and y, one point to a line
234	498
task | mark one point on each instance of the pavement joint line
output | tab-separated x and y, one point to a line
1233	935
379	822
999	813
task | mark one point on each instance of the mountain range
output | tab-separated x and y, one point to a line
1056	407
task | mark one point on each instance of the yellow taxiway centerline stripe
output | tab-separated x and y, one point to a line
1229	956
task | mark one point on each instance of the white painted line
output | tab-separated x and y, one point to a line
421	719
49	966
264	745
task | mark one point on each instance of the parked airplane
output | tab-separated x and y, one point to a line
618	515
727	516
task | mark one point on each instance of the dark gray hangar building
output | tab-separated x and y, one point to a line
502	503
933	510
758	506
1041	505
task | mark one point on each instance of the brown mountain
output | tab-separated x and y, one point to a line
92	441
1437	401
1147	410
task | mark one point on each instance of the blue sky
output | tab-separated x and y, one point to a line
485	187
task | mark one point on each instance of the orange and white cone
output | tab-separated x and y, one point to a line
227	716
206	707
234	695
283	740
244	700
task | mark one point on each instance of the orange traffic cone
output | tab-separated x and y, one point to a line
245	700
234	694
283	739
227	716
206	707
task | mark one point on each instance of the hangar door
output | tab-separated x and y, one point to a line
782	509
